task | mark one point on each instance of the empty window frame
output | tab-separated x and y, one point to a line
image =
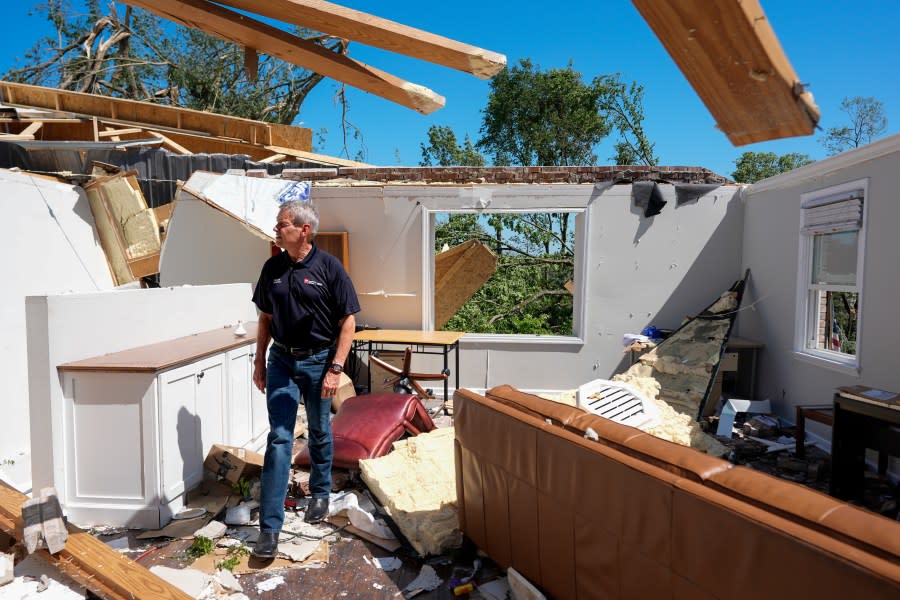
530	293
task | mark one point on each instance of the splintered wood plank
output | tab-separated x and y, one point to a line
136	113
237	28
90	562
458	274
169	143
381	33
318	158
729	53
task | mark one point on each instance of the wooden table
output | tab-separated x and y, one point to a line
420	342
864	417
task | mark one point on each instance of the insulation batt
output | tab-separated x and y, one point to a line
416	482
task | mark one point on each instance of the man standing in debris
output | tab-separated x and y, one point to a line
306	302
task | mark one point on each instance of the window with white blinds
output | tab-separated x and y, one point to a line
833	213
829	292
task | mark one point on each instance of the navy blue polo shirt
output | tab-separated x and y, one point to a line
306	299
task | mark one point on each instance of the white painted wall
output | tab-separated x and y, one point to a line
69	327
771	242
638	271
49	245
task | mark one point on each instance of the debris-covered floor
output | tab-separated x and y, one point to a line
207	556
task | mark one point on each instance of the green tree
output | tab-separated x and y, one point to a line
141	57
553	117
867	122
753	166
443	150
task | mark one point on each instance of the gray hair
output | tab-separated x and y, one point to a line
302	212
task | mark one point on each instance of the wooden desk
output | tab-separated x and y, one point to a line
863	418
442	342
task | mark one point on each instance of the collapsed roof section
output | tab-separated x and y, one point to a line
32	112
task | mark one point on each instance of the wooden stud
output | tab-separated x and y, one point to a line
235	27
374	31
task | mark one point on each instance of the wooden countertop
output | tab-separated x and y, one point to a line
165	355
408	336
863	393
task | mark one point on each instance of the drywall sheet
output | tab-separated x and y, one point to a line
49	245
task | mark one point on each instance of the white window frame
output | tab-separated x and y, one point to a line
837	361
496	200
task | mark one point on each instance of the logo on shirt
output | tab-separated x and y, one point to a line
309	281
277	280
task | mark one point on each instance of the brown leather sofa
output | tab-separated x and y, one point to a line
634	516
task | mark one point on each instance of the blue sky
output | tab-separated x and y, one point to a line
838	48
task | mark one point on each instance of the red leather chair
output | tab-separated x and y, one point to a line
366	427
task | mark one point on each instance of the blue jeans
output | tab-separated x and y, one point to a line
287	379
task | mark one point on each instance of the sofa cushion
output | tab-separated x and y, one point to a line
366	427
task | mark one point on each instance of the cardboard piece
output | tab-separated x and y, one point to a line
345	390
233	463
343	523
251	564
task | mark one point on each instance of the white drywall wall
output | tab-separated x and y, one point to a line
49	245
638	271
65	328
771	242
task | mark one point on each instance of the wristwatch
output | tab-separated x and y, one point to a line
336	368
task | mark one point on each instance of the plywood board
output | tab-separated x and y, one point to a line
458	273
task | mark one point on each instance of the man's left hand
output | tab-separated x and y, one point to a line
330	384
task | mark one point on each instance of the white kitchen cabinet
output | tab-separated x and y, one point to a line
140	422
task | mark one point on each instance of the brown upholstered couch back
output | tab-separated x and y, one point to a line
634	516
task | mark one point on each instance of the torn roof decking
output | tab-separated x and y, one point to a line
166	119
729	53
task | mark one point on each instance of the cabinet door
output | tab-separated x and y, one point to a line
191	421
179	431
239	408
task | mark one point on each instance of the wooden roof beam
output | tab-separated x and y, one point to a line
375	31
250	33
729	53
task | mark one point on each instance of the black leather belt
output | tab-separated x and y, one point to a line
300	353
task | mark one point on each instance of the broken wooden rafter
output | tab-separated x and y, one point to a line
170	144
729	53
374	31
318	158
249	33
90	562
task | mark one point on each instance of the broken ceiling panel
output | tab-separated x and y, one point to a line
729	53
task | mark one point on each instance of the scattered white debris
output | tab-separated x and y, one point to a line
6	568
192	582
498	589
228	581
426	580
270	584
212	530
349	504
298	550
377	586
590	434
388	563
